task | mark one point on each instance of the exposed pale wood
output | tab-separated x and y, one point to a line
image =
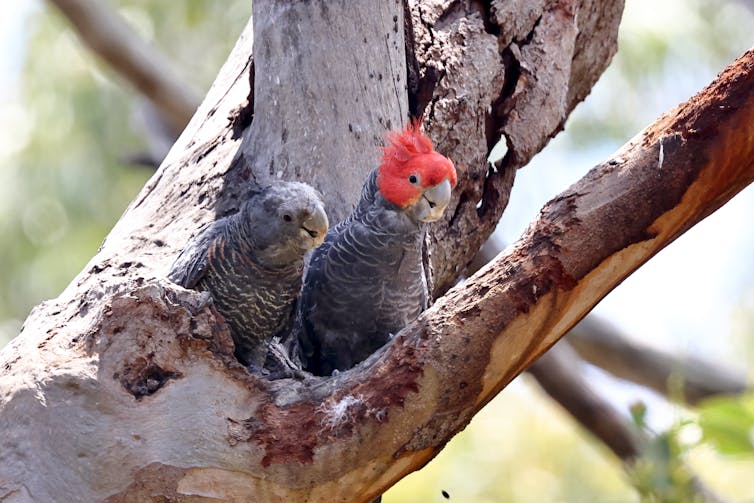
584	243
560	373
290	439
71	429
204	428
688	378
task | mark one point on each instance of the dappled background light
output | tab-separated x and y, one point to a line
71	129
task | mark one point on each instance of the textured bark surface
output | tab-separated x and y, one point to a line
330	81
510	70
124	387
83	409
687	378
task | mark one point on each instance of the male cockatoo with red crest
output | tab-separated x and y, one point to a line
367	280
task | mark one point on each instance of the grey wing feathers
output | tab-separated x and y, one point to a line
190	266
364	283
354	280
307	340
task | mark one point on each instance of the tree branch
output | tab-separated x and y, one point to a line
690	379
120	350
558	373
585	242
140	64
500	70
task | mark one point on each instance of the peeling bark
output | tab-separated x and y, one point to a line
678	377
202	427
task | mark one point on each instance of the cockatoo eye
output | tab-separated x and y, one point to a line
287	217
413	179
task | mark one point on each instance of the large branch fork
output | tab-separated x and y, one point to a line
125	388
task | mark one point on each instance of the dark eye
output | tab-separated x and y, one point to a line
412	179
287	217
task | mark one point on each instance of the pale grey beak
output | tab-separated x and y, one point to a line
433	202
316	225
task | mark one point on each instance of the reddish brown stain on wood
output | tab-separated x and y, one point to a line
287	434
293	433
615	206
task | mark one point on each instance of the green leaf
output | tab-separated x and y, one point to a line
638	414
728	424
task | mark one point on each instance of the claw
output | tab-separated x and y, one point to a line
205	299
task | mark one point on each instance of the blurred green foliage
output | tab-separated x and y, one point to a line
63	184
666	470
728	424
661	473
667	51
63	178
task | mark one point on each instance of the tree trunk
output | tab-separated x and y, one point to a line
125	388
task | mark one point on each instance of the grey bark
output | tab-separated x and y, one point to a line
327	88
120	331
89	19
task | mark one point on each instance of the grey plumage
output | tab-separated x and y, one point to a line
364	283
251	263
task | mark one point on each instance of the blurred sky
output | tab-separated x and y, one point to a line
12	54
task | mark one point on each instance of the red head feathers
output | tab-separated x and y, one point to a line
410	166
